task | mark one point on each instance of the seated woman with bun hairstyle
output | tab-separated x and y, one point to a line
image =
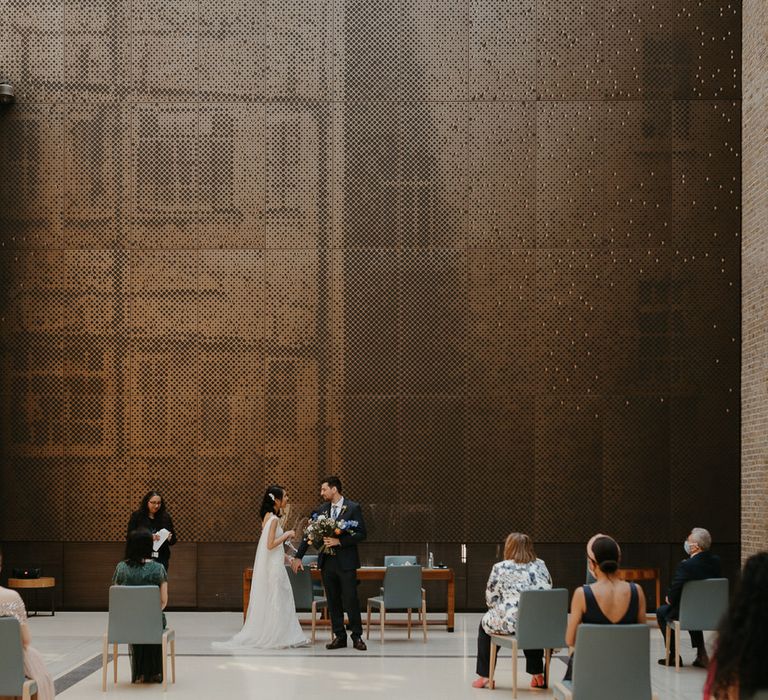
607	601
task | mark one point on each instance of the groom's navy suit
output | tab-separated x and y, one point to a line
340	571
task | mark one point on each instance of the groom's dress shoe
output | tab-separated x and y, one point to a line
337	643
359	644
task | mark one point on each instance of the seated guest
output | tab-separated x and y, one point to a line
607	601
701	564
139	569
520	571
11	605
738	668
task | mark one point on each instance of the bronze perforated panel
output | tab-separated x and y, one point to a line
481	258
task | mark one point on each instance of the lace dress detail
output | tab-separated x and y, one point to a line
11	605
14	608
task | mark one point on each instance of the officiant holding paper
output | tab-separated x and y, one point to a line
153	516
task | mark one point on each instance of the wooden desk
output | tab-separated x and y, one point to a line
35	584
644	575
376	573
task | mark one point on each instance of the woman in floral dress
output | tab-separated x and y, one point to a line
520	571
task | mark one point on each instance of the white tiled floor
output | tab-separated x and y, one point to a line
442	668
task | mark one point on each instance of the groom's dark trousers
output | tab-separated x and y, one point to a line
341	589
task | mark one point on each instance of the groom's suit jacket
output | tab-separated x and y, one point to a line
346	553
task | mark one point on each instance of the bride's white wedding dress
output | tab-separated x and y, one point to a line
271	622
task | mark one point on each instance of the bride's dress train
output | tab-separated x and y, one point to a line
271	622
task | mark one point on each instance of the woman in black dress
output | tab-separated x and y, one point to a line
153	516
607	601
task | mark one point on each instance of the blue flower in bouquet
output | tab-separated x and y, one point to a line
346	526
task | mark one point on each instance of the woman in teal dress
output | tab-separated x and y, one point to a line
139	569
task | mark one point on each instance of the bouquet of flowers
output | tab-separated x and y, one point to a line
322	526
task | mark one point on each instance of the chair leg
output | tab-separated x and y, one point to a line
368	623
173	660
424	618
104	660
547	659
114	660
314	620
667	637
677	646
382	621
514	668
409	623
165	662
492	667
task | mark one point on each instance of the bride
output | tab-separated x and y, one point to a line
271	622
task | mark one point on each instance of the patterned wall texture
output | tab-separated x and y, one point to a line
754	377
480	257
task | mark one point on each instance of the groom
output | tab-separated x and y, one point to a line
340	570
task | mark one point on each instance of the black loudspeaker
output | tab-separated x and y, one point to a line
26	573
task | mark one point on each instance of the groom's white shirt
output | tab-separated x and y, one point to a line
336	507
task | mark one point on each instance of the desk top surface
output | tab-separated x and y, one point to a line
42	582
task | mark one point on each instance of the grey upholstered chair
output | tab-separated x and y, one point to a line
401	591
135	617
399	559
611	661
304	597
702	605
317	586
12	680
541	622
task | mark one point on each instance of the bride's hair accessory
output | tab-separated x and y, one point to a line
272	496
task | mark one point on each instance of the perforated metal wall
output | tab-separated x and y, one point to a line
479	257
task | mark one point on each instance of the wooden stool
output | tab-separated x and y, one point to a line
36	584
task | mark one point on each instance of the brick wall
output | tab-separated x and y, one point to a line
754	378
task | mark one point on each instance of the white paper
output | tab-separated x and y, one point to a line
163	535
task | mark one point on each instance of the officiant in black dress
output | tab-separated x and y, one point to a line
339	569
153	516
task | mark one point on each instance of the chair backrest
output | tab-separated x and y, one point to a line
760	695
309	559
301	585
135	616
542	619
703	604
399	559
402	587
11	657
612	661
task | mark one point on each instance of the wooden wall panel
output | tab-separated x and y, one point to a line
437	247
